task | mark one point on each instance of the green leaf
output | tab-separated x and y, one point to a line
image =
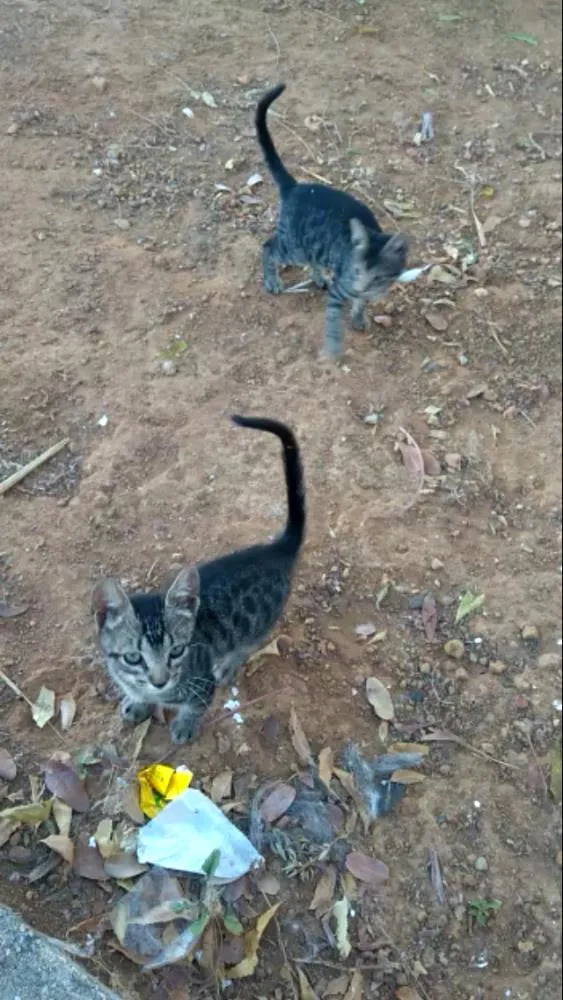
522	36
449	17
232	924
468	604
197	928
211	863
481	910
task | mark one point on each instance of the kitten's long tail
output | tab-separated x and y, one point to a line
292	537
282	177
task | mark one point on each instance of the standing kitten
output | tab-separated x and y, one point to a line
326	228
172	649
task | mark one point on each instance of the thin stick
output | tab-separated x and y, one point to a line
16	477
295	135
246	704
276	43
318	177
478	225
537	146
497	339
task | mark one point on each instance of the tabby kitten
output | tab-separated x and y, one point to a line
173	648
326	228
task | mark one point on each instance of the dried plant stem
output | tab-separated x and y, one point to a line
25	470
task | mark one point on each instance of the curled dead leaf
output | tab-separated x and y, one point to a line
306	991
368	870
277	803
379	699
123	865
12	610
299	740
407	993
67	710
356	987
429	614
62	780
432	466
405	776
63	816
30	813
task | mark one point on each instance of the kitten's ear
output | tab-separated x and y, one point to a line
360	235
394	253
183	596
110	603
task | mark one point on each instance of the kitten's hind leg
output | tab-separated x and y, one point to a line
135	711
357	316
271	259
333	327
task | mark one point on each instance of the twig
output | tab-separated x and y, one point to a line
229	712
537	146
149	121
285	958
443	736
318	177
276	43
471	179
295	135
16	477
542	775
497	339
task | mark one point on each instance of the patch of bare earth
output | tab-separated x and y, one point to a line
130	238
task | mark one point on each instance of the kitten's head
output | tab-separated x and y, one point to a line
145	638
377	260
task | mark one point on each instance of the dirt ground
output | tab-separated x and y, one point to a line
133	322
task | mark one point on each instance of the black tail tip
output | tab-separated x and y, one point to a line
238	420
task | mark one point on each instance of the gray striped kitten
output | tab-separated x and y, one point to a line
327	229
173	648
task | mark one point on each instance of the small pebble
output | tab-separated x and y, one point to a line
497	667
122	223
549	661
168	367
529	633
437	564
461	674
454	648
521	682
100	83
481	864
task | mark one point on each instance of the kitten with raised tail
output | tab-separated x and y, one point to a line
324	228
173	648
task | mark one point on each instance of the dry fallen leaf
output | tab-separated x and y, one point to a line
436	876
277	803
222	786
432	466
103	838
407	993
326	764
404	776
436	320
356	988
31	813
123	865
251	944
421	748
44	708
413	459
67	710
8	769
88	862
62	780
365	869
336	987
299	740
379	699
324	891
63	816
429	617
7	828
12	610
60	845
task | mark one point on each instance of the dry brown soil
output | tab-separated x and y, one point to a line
129	238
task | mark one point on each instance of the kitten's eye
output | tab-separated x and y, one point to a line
133	659
176	652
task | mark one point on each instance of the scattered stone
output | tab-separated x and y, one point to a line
461	674
453	461
454	648
122	223
100	83
530	633
436	320
13	129
549	661
436	564
497	667
525	947
481	864
168	367
521	682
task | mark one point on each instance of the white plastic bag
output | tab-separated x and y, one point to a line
186	832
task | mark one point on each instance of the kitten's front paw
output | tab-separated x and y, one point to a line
273	285
183	729
135	711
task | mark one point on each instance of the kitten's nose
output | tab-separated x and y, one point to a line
160	684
